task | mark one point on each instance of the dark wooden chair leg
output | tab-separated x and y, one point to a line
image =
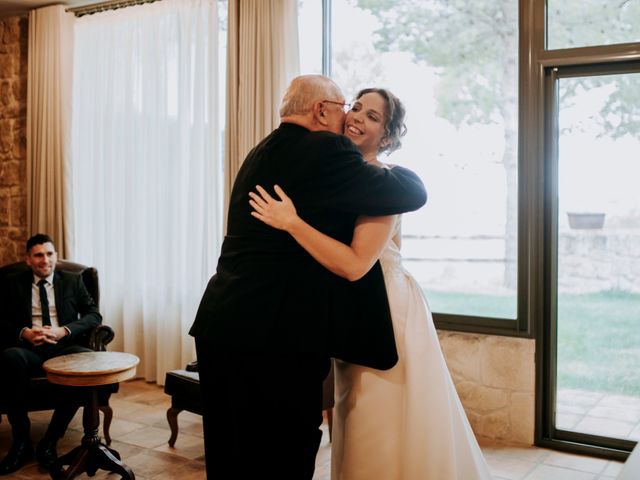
172	418
107	411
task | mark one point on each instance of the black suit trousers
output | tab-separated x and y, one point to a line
21	364
262	413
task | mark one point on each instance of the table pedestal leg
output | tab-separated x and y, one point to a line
91	454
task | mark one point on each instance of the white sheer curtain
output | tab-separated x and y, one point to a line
147	174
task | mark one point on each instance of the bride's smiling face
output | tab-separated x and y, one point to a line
365	124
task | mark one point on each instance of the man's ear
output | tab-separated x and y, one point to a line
320	114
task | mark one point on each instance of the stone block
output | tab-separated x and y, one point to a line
19	237
7	66
11	31
9	174
508	363
20	145
4	206
5	93
6	143
18	214
495	425
522	417
19	92
8	248
462	353
482	399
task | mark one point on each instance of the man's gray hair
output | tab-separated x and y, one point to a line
304	91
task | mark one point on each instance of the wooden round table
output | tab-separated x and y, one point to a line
89	370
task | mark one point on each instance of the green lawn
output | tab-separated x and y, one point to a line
495	306
598	335
599	342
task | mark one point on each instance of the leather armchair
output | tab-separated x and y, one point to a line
41	391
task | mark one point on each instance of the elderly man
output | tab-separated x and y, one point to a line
45	313
271	317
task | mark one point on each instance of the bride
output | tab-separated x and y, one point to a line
406	423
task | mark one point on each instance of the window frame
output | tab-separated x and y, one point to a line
536	250
552	65
547	433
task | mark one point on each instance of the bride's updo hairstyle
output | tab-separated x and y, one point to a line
394	127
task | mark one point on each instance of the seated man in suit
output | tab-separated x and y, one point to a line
44	314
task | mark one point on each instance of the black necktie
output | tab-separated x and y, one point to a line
44	303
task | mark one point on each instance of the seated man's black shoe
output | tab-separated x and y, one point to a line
19	454
46	453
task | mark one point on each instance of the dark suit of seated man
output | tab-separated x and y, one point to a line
44	315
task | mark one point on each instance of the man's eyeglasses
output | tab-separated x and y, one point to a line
345	106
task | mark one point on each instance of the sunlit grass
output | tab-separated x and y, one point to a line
599	342
494	306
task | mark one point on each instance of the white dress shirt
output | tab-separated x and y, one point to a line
36	308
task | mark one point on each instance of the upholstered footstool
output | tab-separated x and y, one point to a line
184	388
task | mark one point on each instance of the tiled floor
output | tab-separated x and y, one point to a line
140	432
599	413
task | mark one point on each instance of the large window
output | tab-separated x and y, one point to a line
524	122
598	258
454	65
310	35
589	341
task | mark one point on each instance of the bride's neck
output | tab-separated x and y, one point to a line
372	158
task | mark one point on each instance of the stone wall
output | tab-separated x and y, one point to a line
599	260
495	379
13	137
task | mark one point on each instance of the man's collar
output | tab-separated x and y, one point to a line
49	279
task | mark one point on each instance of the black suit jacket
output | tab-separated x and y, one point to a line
268	294
75	308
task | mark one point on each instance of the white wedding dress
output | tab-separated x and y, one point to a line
406	423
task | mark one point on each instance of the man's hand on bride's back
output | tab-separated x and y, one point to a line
280	214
